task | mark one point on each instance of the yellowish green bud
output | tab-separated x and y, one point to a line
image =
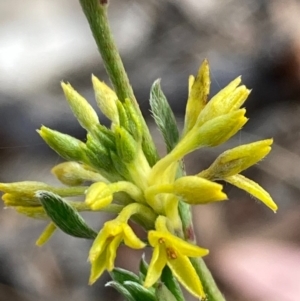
237	159
106	100
82	110
22	193
27	188
65	145
198	92
127	147
74	174
32	212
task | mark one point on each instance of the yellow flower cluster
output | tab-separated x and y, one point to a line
115	161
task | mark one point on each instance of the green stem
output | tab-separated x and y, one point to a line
208	282
96	14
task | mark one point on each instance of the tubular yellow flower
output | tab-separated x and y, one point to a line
213	133
192	189
235	160
99	195
174	252
103	251
229	99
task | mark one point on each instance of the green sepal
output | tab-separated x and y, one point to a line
139	292
121	289
171	284
97	154
163	116
120	166
65	145
162	293
126	145
105	136
123	118
120	275
64	216
135	127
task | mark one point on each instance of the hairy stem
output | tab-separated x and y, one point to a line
210	287
96	14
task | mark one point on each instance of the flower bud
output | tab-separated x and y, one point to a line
98	196
82	110
65	145
237	159
106	100
74	174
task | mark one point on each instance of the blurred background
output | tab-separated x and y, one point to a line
255	254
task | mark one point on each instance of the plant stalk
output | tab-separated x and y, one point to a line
96	14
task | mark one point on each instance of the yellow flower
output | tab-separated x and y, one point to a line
174	252
230	163
103	251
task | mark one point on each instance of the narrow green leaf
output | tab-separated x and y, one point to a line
143	268
171	283
163	116
120	275
163	293
139	292
122	290
64	216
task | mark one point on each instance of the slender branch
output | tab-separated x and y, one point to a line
96	14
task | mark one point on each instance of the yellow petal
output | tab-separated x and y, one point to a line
198	93
186	274
107	232
218	105
157	263
46	234
97	268
111	252
98	196
253	188
195	190
130	238
181	246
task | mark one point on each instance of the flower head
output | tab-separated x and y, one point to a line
103	251
174	252
122	169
